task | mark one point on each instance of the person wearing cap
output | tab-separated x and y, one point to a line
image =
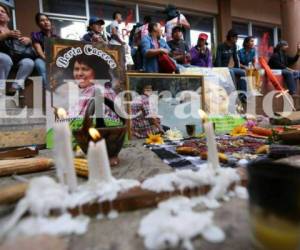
174	18
281	60
179	48
96	32
227	56
200	54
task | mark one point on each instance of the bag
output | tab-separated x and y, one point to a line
18	51
166	64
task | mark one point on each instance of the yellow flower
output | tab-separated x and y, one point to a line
239	130
154	139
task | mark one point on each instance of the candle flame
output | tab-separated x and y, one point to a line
61	113
94	133
203	115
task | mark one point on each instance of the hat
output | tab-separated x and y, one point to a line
232	33
283	43
94	20
203	36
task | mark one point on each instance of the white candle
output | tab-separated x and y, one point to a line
64	160
98	162
211	143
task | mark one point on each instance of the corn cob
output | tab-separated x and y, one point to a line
81	167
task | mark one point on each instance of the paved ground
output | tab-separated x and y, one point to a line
121	233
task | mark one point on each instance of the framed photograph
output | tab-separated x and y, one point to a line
75	70
173	100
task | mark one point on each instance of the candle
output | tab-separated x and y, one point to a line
63	152
98	161
212	154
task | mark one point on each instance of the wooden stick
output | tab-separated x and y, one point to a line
12	193
24	166
24	152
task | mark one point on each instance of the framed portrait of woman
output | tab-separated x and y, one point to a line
75	71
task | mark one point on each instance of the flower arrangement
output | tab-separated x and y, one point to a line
154	139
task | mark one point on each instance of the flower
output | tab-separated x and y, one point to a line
239	130
174	135
154	139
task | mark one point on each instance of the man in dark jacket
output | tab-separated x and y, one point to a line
227	57
280	60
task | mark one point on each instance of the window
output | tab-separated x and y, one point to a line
105	10
69	29
243	30
66	7
200	25
259	32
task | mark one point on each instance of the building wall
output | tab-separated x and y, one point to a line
267	11
25	12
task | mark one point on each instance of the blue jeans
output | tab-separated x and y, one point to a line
290	78
40	66
25	68
241	84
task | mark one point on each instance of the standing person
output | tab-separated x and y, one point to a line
281	60
200	54
115	29
179	48
96	32
227	57
174	18
152	46
38	42
25	65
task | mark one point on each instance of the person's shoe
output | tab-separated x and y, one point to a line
13	89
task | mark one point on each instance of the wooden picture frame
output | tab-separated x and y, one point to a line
160	82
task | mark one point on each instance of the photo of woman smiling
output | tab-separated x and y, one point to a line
87	71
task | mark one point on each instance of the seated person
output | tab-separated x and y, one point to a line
25	65
280	60
179	48
227	57
144	121
152	46
38	40
247	53
247	57
96	32
200	54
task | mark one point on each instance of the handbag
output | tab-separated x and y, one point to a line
18	51
166	64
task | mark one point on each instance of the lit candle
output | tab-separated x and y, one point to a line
64	160
98	161
212	151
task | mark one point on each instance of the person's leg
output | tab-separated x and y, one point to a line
5	67
289	81
40	66
25	68
241	83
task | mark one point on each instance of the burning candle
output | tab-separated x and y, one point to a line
98	161
212	154
64	161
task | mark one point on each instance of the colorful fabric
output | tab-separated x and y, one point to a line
142	123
